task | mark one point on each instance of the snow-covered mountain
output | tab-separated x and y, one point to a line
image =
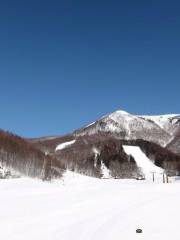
170	122
158	129
97	149
99	145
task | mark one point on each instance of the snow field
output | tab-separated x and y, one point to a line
84	208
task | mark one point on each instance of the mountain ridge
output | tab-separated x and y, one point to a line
129	126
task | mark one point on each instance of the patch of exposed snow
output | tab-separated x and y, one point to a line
47	138
142	161
46	153
122	112
96	152
119	115
105	171
90	124
65	145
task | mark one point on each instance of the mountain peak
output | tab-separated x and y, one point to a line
121	112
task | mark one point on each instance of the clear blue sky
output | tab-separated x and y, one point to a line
66	63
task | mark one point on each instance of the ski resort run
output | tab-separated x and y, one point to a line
142	161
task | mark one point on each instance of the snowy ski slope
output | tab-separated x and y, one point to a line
142	160
84	208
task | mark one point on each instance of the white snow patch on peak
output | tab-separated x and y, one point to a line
165	117
142	160
65	145
161	119
120	116
90	124
122	112
123	121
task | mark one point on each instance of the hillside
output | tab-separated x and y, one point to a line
23	158
88	153
174	145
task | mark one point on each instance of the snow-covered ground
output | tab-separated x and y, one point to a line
83	208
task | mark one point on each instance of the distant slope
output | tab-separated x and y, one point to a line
161	157
174	145
160	129
89	153
49	144
169	122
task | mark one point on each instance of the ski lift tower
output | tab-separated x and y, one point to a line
153	176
